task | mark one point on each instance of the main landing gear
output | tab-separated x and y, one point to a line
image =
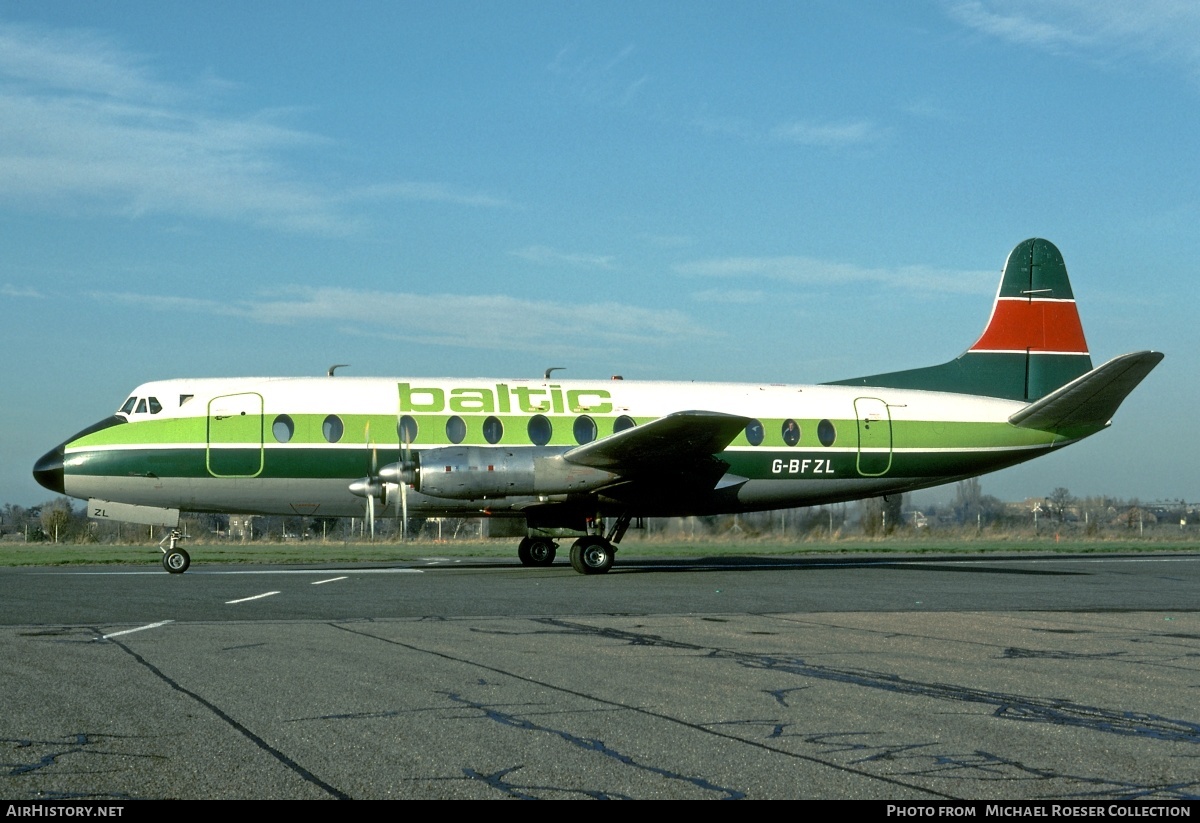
175	560
590	554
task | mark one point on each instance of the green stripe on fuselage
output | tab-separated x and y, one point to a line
176	447
380	431
293	462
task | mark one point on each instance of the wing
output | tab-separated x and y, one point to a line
668	461
667	444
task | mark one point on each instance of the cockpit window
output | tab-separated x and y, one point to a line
141	405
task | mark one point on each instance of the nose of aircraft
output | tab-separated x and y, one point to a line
48	471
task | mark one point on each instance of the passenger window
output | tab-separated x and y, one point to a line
333	428
585	429
493	430
456	430
622	423
406	430
283	428
791	432
754	433
539	429
826	433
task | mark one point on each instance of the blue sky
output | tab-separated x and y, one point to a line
763	191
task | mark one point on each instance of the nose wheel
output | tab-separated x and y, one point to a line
175	560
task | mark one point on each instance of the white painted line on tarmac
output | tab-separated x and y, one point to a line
330	580
1141	560
320	571
195	573
138	629
247	599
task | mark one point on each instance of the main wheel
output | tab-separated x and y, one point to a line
523	552
542	552
176	561
592	555
537	551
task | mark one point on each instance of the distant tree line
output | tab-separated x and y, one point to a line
63	520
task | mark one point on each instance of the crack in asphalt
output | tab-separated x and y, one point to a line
82	743
286	761
1009	706
649	640
593	745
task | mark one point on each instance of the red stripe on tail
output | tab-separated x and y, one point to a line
1033	325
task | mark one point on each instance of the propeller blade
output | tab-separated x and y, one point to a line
404	516
373	464
371	514
405	464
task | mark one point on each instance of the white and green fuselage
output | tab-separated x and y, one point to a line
564	454
294	445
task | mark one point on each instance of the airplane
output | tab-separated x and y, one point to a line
582	458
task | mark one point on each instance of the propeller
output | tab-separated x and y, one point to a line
379	482
402	502
370	486
402	474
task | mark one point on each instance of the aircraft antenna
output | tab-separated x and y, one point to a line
335	367
546	376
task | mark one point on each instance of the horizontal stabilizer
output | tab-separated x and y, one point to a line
667	443
1088	403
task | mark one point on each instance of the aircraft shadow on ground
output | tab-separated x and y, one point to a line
752	563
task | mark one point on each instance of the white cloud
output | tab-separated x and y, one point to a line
810	271
9	290
544	255
598	81
831	135
1010	22
668	241
428	192
87	127
466	321
745	296
1163	31
74	61
804	132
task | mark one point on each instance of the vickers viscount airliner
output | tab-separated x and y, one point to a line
581	459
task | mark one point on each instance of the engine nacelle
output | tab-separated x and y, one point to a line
476	472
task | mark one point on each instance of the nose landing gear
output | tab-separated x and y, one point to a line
175	560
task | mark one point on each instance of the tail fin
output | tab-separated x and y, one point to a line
1033	342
